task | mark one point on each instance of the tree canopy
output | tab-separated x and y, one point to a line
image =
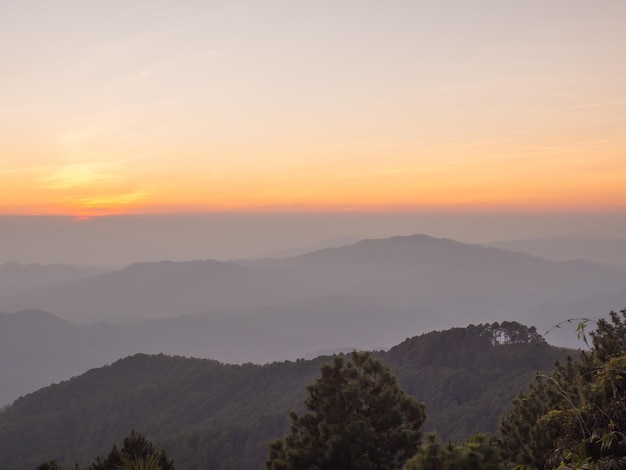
358	419
479	452
137	453
576	417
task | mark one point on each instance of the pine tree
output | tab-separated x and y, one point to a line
358	419
136	453
479	452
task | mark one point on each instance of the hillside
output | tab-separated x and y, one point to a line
211	415
38	348
610	251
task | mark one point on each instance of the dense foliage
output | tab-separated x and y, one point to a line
478	452
576	417
206	414
137	453
358	418
467	377
211	415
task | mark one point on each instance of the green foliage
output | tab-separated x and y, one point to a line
576	417
152	462
467	377
358	418
137	453
479	452
206	414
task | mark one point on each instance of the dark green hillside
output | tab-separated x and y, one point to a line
210	415
468	376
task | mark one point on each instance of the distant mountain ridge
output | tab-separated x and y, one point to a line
38	348
423	249
334	242
400	272
610	251
368	295
16	277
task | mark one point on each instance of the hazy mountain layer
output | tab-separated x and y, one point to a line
116	241
15	277
461	281
368	295
38	348
606	250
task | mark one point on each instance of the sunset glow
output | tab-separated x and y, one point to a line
218	106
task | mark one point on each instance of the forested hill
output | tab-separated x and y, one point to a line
468	376
211	415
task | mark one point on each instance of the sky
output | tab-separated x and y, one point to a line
156	106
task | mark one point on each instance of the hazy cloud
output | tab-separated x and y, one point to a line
106	201
78	174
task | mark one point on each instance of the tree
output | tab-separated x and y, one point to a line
50	465
151	462
137	453
54	465
358	419
479	452
576	417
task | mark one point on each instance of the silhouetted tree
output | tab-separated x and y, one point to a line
50	465
137	453
358	419
54	465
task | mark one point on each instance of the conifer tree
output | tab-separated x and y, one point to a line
479	452
136	453
358	419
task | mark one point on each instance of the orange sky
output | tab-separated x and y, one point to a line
280	105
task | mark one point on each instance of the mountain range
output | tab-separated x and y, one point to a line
368	295
606	250
418	271
16	277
